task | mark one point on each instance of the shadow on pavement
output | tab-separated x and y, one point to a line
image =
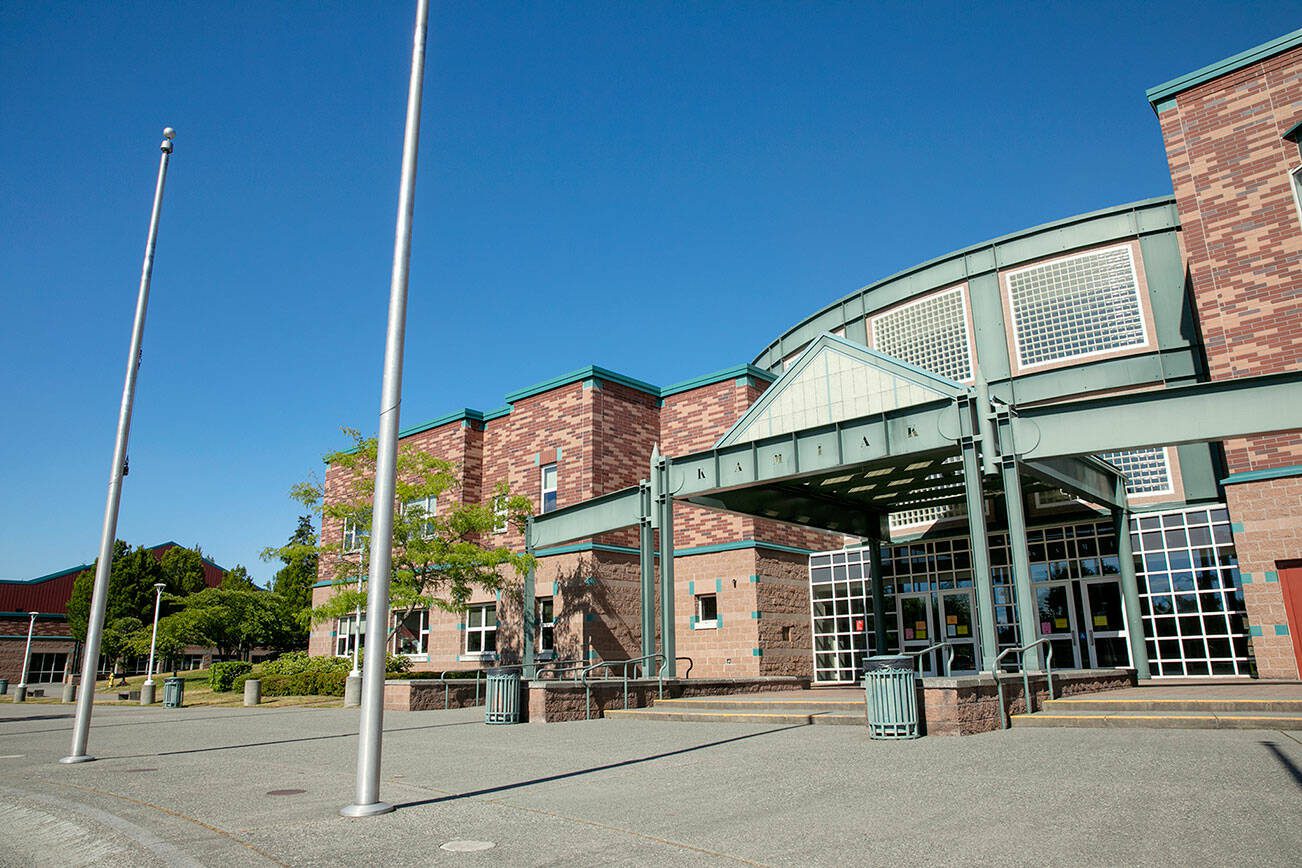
579	772
1285	762
280	741
36	717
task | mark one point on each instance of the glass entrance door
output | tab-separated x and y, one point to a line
915	619
958	626
1057	612
1105	623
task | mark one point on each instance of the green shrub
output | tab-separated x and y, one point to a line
221	677
305	683
294	662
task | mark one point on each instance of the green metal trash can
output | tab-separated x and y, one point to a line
173	692
502	696
4	686
892	696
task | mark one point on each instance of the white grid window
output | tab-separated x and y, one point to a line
548	488
930	333
1076	306
349	631
481	629
427	507
500	515
411	632
354	535
1148	471
546	625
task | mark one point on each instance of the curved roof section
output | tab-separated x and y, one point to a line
1060	236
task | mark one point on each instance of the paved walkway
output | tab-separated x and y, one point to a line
262	786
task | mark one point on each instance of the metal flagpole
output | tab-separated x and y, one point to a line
20	694
367	801
99	596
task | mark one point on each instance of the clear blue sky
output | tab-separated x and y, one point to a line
586	170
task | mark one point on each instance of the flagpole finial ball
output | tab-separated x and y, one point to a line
169	133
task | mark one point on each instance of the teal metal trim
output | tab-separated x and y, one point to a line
47	577
739	544
1224	67
36	638
737	373
591	372
1258	475
1294	133
40	616
584	547
1164	105
978	259
465	414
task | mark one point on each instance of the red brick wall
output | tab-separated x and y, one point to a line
1241	232
1268	529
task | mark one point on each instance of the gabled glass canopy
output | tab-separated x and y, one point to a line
835	380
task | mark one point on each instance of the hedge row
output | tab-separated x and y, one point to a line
307	683
222	676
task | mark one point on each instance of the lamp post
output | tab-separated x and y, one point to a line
99	594
20	695
366	801
147	689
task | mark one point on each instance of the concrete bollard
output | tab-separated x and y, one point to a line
147	693
69	692
20	693
252	691
353	691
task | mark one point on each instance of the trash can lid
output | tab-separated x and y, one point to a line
887	661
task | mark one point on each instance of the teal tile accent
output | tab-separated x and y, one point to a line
537	459
691	622
1272	576
754	580
1245	578
757	652
1254	630
559	452
497	595
755	615
691	588
1281	629
718	586
1236	527
556	588
718	619
461	626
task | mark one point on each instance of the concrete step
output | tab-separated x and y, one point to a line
791	718
1205	706
764	704
1173	719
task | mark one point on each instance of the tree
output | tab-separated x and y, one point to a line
234	620
294	581
183	570
131	589
439	543
237	578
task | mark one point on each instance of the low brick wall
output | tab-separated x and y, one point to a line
414	694
553	701
969	704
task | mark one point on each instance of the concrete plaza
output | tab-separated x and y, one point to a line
263	786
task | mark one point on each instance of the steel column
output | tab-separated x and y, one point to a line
973	451
529	606
108	533
879	596
1021	561
647	566
1130	587
666	505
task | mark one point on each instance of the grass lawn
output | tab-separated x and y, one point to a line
197	693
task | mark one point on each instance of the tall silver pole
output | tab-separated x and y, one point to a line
367	801
20	695
153	640
99	596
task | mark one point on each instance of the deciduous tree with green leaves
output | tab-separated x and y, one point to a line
442	546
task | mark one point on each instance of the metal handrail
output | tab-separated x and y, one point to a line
949	658
1026	679
479	678
609	664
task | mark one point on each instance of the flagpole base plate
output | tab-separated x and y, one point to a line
80	758
366	810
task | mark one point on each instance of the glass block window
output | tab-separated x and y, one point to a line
1076	306
1148	471
930	333
926	515
1190	593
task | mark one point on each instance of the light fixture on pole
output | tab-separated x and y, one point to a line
367	799
147	689
20	695
99	593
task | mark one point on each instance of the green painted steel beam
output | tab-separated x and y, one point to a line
1193	413
609	512
1086	478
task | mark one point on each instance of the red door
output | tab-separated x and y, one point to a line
1290	583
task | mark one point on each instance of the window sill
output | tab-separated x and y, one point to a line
482	657
706	625
545	655
417	658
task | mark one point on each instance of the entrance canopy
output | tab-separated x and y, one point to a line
842	439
